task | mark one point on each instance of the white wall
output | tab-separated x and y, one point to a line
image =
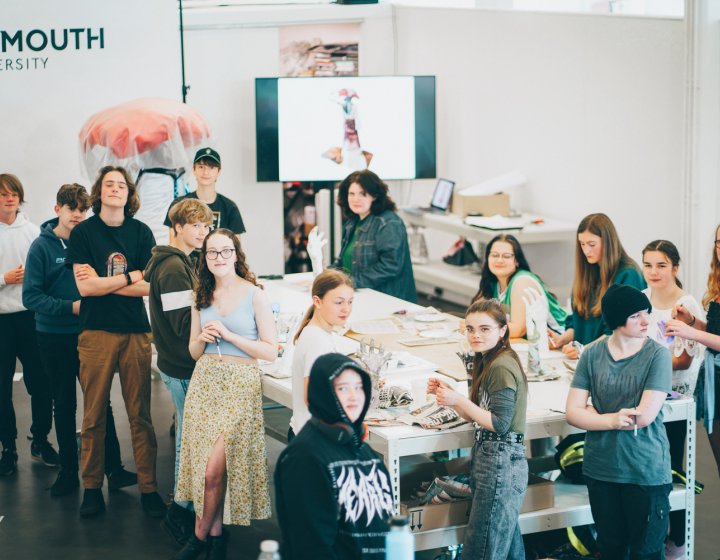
589	108
44	109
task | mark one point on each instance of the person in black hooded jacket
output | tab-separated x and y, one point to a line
333	492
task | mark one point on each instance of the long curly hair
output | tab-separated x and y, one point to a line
593	280
372	185
481	364
205	284
713	283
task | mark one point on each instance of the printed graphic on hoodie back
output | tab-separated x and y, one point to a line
362	491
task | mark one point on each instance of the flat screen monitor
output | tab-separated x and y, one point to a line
322	129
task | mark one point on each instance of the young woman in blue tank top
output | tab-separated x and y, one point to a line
223	456
690	327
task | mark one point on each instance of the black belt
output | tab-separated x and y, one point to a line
509	437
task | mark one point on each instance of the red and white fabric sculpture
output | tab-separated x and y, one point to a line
154	139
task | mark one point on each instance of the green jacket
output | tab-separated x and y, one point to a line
171	274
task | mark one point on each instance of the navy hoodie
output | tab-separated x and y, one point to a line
333	492
49	287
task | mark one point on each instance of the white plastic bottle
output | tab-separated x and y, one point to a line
269	550
399	542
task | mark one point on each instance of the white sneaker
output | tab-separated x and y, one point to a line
673	552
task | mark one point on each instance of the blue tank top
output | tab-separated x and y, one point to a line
241	321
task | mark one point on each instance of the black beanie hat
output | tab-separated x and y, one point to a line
620	301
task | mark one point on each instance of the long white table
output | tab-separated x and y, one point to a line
545	418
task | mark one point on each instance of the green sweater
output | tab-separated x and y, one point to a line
171	274
592	328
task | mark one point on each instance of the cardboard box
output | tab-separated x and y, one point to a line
540	494
487	205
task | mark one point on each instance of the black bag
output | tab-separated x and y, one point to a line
461	253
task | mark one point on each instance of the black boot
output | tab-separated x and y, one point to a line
217	546
194	548
179	523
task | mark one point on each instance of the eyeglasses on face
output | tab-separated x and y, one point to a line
503	256
225	253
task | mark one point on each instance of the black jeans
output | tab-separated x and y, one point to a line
630	518
676	433
59	356
18	340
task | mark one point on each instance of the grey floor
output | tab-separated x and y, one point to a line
35	526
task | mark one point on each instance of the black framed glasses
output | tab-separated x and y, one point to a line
225	253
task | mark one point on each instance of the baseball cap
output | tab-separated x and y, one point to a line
207	153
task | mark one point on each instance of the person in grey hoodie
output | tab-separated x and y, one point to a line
50	291
17	333
171	275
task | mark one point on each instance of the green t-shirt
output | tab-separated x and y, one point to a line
618	455
505	373
558	316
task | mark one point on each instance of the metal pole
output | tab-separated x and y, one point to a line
185	87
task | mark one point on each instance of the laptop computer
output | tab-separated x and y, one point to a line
441	199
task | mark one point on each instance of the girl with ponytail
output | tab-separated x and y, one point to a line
332	299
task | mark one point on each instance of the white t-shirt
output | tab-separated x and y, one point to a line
683	380
313	343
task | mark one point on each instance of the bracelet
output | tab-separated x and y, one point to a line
128	278
691	323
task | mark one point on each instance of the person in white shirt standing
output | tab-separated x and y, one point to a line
17	333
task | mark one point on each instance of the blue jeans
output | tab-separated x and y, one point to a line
499	478
178	389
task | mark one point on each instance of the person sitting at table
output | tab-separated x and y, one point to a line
375	251
498	406
600	262
626	456
506	276
333	492
332	301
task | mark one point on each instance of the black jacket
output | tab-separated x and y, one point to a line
333	492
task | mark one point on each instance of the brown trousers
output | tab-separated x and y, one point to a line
100	353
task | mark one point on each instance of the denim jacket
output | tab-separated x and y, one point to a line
381	258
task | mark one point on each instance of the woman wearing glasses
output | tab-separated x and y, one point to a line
506	276
600	262
223	439
691	327
497	405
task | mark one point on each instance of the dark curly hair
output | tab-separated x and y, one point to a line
133	200
371	184
205	284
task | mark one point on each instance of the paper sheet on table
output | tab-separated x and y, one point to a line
375	326
495	223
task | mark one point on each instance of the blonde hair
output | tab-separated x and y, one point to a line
592	280
713	283
190	211
324	282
